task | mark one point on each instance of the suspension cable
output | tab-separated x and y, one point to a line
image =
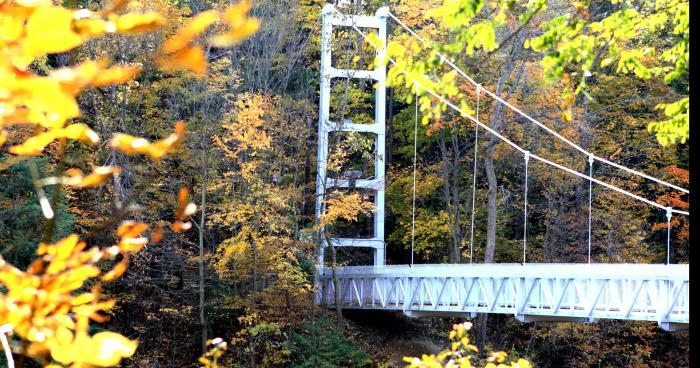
509	142
541	125
415	155
590	205
476	151
527	158
669	214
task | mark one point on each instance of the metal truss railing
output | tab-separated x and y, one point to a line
532	292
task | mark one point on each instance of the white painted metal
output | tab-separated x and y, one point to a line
325	126
531	292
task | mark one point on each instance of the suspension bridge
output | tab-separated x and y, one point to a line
529	291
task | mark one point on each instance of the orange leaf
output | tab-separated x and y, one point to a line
191	59
134	145
157	234
179	226
159	148
184	209
132	244
185	35
117	271
131	229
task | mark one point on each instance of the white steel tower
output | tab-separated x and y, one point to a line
376	184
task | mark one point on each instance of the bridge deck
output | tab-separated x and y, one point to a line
531	292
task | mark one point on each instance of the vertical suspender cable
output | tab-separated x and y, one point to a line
476	147
527	159
669	214
590	204
413	207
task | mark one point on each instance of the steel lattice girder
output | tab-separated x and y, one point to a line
533	292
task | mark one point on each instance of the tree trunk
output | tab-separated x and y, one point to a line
336	285
492	205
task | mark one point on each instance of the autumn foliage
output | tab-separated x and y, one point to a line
51	304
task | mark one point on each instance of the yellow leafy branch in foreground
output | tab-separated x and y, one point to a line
46	305
140	146
29	30
460	354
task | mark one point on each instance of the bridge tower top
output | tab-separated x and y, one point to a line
375	184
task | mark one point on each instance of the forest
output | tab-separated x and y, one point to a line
159	166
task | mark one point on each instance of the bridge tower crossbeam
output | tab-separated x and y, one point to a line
378	128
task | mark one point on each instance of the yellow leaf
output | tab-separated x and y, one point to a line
129	144
74	79
104	349
64	335
33	3
167	145
135	145
49	30
34	145
80	132
191	59
240	26
128	244
116	75
3	137
185	35
133	23
109	348
92	27
65	246
11	24
65	321
236	35
98	176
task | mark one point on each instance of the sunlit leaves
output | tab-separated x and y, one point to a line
179	51
191	58
186	35
49	30
137	23
240	26
132	145
45	308
47	305
103	349
130	236
345	206
35	145
184	210
573	42
675	128
460	354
